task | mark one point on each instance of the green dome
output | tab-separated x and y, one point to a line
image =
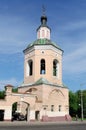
42	42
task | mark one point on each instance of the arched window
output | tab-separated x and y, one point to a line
52	107
55	67
43	33
29	69
38	34
59	108
47	33
42	66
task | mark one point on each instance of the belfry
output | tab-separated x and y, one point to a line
43	77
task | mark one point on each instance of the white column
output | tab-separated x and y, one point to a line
8	113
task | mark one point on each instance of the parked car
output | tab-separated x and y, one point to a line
18	116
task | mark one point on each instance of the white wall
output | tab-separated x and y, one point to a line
8	113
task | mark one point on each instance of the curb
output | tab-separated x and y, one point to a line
22	123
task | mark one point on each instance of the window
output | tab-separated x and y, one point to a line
55	68
43	33
42	67
29	68
47	34
59	107
52	107
38	34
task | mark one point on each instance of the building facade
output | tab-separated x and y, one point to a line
42	96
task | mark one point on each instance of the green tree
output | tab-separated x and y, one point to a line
78	93
84	103
15	90
73	106
2	94
75	103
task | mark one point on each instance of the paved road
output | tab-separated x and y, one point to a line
43	126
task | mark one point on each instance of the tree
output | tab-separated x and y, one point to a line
73	106
15	90
84	103
2	94
75	103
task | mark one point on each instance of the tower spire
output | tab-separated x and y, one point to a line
43	10
43	17
43	31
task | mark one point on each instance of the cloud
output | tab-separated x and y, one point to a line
75	25
75	62
14	33
72	36
12	81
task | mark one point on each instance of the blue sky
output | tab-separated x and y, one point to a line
19	20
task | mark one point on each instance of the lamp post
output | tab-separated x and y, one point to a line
81	105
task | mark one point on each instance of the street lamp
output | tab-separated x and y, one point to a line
81	105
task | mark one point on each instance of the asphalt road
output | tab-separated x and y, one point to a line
49	126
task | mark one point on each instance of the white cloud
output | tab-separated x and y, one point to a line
75	62
14	33
74	25
11	81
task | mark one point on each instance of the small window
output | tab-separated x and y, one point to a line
43	33
55	68
38	34
59	107
47	34
30	65
52	107
42	67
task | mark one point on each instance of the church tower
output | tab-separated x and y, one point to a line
43	77
43	58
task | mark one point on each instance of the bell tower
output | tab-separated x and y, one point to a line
43	58
43	77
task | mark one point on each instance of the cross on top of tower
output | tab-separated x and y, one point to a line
43	9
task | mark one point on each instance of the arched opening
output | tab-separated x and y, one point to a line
20	111
29	69
55	67
14	107
37	115
38	34
42	66
43	33
1	115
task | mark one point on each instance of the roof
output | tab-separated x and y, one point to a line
43	22
42	81
43	42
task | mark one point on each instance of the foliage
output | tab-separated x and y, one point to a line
75	103
14	107
15	90
2	94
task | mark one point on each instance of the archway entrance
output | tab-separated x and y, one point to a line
37	115
20	111
1	115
